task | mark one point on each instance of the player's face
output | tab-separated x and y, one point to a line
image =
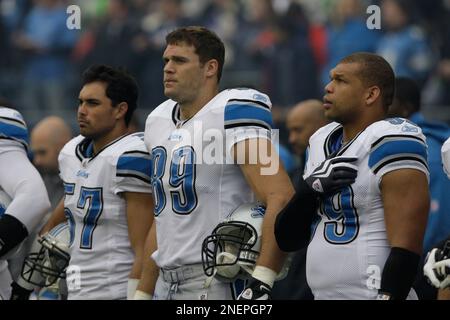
45	154
184	75
96	115
300	129
344	95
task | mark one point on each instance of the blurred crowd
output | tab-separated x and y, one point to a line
284	48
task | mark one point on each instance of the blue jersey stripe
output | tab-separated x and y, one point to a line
140	165
15	132
246	113
398	147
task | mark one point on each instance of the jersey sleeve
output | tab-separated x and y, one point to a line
21	181
133	172
401	146
13	130
247	115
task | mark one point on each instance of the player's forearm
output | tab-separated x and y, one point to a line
271	256
150	270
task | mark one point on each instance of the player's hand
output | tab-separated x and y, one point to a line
256	290
333	174
443	273
437	268
19	293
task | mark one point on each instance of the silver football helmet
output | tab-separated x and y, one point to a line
231	251
49	257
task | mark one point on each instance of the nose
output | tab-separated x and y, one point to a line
82	109
168	67
329	87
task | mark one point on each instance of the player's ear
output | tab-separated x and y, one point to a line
121	110
212	67
372	94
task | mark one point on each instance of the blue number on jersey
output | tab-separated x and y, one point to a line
343	224
69	189
93	212
158	165
182	179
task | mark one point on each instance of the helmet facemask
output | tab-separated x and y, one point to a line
44	267
231	251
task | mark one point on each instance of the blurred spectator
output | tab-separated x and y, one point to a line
407	104
47	43
404	44
47	139
167	16
347	33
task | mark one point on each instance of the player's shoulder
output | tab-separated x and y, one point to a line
245	95
393	128
70	146
13	129
131	142
162	111
11	114
323	132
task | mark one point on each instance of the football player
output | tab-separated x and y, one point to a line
202	171
24	200
371	230
107	201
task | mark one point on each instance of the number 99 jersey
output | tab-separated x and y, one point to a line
349	244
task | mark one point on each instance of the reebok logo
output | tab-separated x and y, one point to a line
317	185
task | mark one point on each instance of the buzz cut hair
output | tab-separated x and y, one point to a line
375	71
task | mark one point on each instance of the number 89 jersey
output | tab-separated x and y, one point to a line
196	183
349	245
101	253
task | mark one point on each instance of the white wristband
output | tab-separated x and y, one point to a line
141	295
131	288
265	275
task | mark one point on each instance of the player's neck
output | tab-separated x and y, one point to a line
104	140
190	109
351	130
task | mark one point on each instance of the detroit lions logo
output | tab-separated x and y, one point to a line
259	97
258	211
83	174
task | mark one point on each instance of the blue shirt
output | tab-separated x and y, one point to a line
438	226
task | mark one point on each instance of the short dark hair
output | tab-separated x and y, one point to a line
375	71
120	86
407	91
206	43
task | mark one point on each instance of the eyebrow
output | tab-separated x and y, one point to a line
176	58
90	100
337	75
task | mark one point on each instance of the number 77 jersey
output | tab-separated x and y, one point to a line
101	253
349	245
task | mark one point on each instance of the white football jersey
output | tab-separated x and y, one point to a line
445	151
13	130
349	245
101	253
195	181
